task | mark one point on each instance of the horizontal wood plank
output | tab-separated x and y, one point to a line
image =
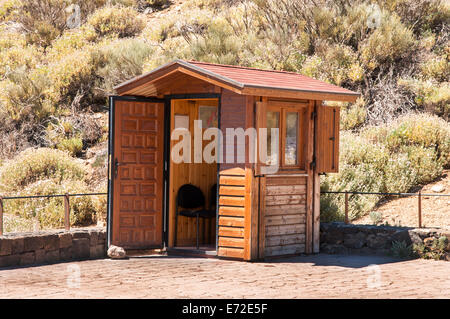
231	221
233	171
232	180
285	180
282	240
285	229
231	252
284	250
231	231
231	242
285	189
285	209
285	199
232	190
231	201
231	211
285	219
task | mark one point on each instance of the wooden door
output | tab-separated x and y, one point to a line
137	174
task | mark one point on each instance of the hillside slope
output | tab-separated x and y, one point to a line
404	211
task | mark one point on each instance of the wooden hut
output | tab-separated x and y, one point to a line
258	214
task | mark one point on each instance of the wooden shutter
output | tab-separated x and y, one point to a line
327	155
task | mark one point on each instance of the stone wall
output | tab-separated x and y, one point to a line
52	246
340	238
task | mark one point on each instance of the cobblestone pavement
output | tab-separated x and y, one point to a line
318	276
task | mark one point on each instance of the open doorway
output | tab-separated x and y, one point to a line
183	233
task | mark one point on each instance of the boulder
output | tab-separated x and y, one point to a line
116	252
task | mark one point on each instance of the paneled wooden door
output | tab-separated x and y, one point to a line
137	174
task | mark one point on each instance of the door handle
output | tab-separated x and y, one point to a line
116	167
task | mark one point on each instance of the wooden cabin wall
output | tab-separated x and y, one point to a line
283	223
202	175
231	213
233	114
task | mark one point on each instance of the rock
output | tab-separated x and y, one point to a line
355	240
5	246
437	188
377	241
97	251
27	258
80	248
116	252
51	242
65	240
33	243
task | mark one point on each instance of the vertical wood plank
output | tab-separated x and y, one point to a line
419	203
248	214
67	212
316	221
1	216
262	209
310	178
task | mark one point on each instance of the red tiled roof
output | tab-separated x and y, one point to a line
240	78
270	78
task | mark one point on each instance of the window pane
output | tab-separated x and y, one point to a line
273	121
290	148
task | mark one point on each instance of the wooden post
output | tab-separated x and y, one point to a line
420	208
1	216
67	212
346	208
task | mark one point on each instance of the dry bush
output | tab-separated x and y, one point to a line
116	21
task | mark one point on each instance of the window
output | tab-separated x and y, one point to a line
287	117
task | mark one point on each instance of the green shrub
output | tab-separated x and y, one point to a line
119	61
388	43
73	145
376	217
353	116
434	250
49	212
116	21
33	165
401	249
394	157
24	97
71	75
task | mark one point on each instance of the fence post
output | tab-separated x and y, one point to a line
420	208
67	212
1	216
346	208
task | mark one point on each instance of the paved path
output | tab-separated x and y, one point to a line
319	276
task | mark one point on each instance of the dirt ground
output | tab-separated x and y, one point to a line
404	211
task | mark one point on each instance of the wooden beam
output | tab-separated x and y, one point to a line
307	95
310	179
262	210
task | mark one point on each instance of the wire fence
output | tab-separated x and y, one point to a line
418	194
66	205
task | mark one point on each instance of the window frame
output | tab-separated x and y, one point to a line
283	107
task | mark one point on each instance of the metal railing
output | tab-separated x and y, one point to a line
418	194
346	200
66	205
